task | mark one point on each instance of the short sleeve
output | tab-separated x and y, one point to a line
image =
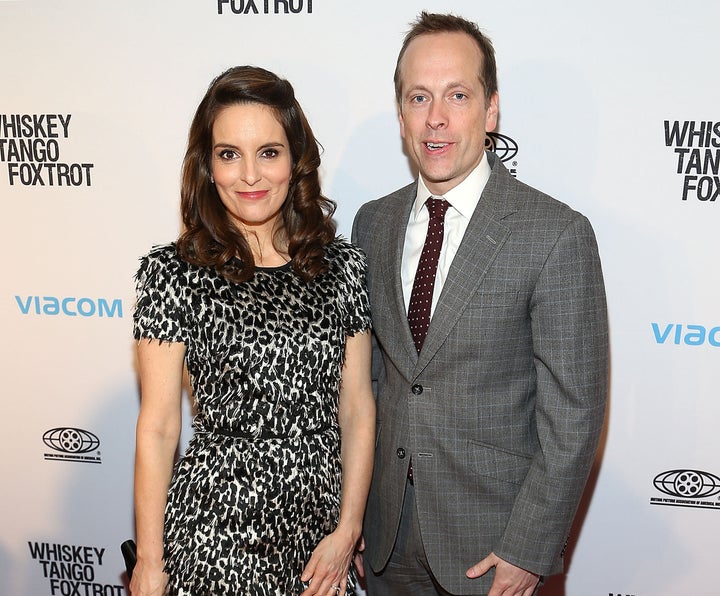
356	304
159	308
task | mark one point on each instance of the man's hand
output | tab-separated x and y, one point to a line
509	579
358	558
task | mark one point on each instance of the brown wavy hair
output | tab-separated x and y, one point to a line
209	237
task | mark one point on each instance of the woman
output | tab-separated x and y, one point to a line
269	312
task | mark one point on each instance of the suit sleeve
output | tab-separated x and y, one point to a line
359	238
570	345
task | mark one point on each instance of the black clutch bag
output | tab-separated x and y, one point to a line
129	553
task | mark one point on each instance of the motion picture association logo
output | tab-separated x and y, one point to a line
505	148
687	488
72	444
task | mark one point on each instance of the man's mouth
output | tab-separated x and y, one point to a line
435	146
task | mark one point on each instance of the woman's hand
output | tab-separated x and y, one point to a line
328	567
148	580
327	571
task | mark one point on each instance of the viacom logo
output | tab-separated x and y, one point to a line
70	306
265	6
689	335
504	147
687	488
72	444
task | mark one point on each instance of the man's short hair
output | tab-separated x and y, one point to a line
428	23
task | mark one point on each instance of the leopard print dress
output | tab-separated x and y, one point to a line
259	485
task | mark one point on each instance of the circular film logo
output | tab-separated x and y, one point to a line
687	484
504	147
71	440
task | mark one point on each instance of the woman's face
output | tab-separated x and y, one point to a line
251	165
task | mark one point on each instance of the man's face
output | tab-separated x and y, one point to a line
443	112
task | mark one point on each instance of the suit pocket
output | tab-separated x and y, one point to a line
499	465
489	299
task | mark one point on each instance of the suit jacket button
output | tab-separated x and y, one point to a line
417	389
400	452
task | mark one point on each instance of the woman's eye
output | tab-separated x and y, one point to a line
227	154
270	153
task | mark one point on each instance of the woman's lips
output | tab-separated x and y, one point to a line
253	195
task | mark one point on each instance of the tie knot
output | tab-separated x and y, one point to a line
437	207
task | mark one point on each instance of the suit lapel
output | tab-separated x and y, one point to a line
391	259
483	240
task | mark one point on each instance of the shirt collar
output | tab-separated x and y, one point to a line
464	197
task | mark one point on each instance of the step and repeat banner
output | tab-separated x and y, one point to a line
611	107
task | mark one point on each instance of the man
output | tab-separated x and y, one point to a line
488	418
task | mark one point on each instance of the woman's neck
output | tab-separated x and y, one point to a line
268	248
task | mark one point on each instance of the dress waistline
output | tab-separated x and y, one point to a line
239	434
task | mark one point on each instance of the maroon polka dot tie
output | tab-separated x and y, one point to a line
422	290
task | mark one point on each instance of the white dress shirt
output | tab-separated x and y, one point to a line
463	199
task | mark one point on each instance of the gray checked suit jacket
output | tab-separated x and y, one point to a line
503	408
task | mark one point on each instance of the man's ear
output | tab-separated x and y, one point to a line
491	113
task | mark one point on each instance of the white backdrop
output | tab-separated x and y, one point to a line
101	94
